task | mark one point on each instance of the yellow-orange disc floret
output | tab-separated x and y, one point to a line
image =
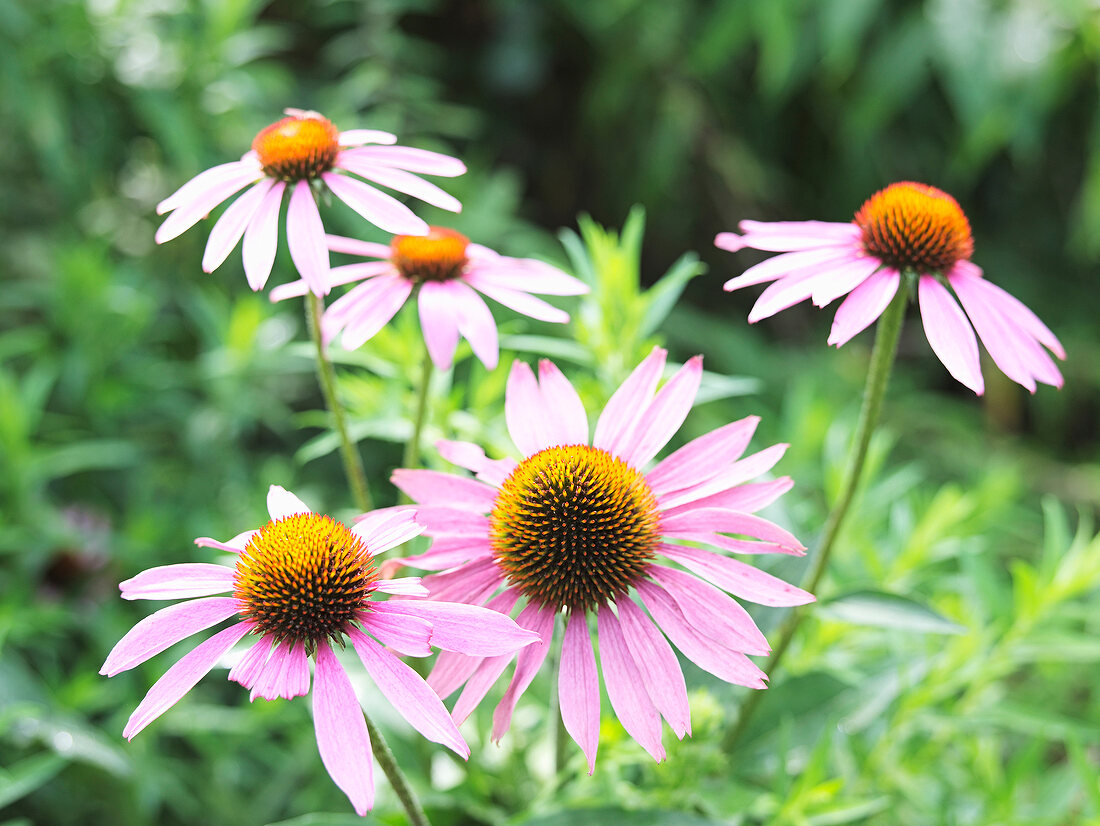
574	526
438	256
303	577
297	148
914	226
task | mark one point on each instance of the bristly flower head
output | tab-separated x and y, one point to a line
906	233
302	150
582	526
447	272
300	584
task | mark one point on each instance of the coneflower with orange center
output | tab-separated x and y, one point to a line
906	236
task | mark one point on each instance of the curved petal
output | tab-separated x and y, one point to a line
739	579
434	487
261	238
387	528
305	237
207	180
540	620
526	275
182	677
353	246
625	687
342	737
472	457
579	687
250	666
406	586
566	420
438	323
1012	307
720	520
949	333
369	307
660	670
863	305
337	277
843	279
282	503
231	226
409	694
189	579
406	635
475	323
358	137
784	265
402	181
380	209
829	230
165	628
188	213
710	612
467	629
470	583
1005	344
521	302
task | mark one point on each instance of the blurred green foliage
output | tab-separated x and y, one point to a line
143	403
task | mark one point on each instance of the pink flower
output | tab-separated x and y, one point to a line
297	151
579	526
909	233
447	271
300	583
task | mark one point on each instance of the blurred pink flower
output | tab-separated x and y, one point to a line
905	233
448	272
293	153
579	527
301	582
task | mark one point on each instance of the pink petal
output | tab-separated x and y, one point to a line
703	457
305	236
797	239
657	663
740	471
521	302
579	687
209	180
472	457
233	546
249	667
405	635
782	266
731	666
406	586
186	214
830	230
190	579
739	579
296	678
843	279
625	687
435	487
744	498
530	659
467	629
438	323
524	410
342	737
449	552
863	305
230	227
412	160
450	671
525	275
164	629
401	181
261	238
720	520
949	333
469	583
475	322
451	521
709	611
665	414
1012	307
387	528
272	682
281	503
380	209
353	246
567	421
785	293
409	694
337	277
357	137
182	677
729	241
486	673
370	307
625	407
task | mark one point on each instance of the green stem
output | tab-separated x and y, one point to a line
396	777
412	447
326	376
878	376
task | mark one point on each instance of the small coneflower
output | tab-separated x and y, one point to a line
304	148
587	528
907	232
300	584
448	272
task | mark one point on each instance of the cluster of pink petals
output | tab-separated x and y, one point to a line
405	626
448	309
825	261
704	493
255	214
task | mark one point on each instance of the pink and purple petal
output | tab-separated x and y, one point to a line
251	665
468	629
261	238
530	659
657	663
305	237
475	323
710	612
406	586
524	411
380	209
208	180
407	635
782	266
387	528
165	628
525	275
183	581
438	323
230	227
342	737
949	333
579	687
703	457
188	213
567	422
433	487
665	414
411	160
625	687
863	305
401	181
624	409
353	246
737	578
523	303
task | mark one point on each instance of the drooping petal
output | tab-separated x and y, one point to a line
342	737
785	293
486	673
182	677
472	457
949	333
251	665
435	487
627	404
189	579
208	180
271	682
469	583
233	546
468	629
739	472
657	663
782	266
566	421
530	659
475	322
261	238
282	503
401	181
438	323
739	579
1012	307
404	634
710	612
165	628
720	520
1003	341
527	275
365	310
863	305
843	279
663	417
188	213
305	237
409	694
521	302
230	227
746	498
353	246
579	687
380	209
625	688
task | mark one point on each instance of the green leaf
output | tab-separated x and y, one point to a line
27	776
620	817
662	296
325	819
879	609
